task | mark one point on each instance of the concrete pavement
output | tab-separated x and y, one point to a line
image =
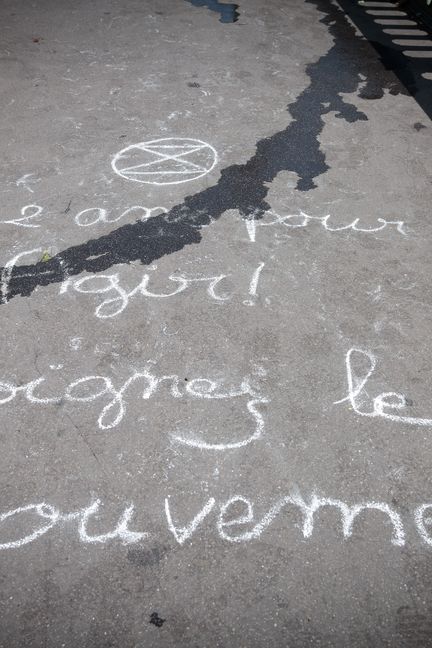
215	375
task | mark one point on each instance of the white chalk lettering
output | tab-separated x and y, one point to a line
9	270
381	403
48	512
231	515
27	219
199	443
95	215
421	522
301	220
121	531
26	180
348	514
45	511
89	389
181	534
253	286
118	298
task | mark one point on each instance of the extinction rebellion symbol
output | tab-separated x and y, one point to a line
171	160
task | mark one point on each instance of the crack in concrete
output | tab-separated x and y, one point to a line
241	187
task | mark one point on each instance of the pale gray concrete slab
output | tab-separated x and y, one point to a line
257	310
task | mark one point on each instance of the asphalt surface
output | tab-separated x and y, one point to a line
215	376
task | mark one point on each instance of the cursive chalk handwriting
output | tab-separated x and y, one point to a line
385	404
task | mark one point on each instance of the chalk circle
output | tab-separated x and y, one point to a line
166	161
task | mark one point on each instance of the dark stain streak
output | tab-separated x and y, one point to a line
241	187
67	210
228	11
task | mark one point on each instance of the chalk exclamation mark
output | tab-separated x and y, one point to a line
253	286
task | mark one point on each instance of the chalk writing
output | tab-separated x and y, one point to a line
53	515
231	518
94	388
115	296
182	534
165	161
348	515
94	215
25	181
422	523
6	272
118	298
384	401
253	286
27	219
296	221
